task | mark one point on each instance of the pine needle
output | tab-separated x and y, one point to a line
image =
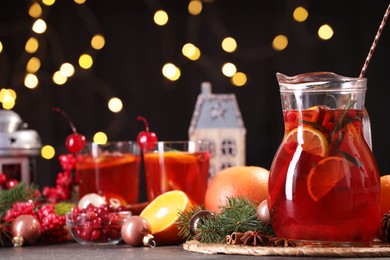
238	215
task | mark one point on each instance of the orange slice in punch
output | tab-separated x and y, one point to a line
325	176
162	214
312	140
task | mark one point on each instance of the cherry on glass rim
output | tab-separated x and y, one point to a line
146	137
74	142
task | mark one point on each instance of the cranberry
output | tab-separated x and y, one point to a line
96	234
97	223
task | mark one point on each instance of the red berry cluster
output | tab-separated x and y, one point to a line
64	183
53	225
98	224
75	142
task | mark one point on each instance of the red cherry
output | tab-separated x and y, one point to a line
11	183
146	136
74	142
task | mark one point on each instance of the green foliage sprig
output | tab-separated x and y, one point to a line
237	215
21	192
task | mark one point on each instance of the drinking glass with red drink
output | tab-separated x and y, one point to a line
177	165
110	170
324	185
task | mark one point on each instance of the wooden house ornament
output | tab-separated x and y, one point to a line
217	119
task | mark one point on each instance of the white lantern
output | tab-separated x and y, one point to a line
18	148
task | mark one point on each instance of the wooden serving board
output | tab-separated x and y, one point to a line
376	250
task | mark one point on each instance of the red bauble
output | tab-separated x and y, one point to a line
25	228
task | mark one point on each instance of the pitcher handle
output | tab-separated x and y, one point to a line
367	128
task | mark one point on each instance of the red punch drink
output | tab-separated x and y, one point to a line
109	172
324	185
168	168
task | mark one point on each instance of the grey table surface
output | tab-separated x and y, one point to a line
73	250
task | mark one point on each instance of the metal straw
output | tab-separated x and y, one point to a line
378	34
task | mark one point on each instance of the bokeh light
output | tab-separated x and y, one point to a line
80	2
31	81
229	44
98	42
39	26
280	43
239	79
160	17
229	69
171	72
35	10
1	47
325	32
115	105
300	14
32	45
48	2
190	51
100	138
33	65
85	61
67	69
48	152
7	98
59	78
195	7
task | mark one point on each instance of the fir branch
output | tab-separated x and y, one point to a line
21	192
183	222
238	215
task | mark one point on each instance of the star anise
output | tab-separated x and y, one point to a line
255	238
280	242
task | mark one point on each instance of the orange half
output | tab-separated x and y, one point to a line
324	177
313	141
162	214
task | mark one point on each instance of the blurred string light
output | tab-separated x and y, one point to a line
300	14
38	11
160	17
325	32
48	152
100	138
36	40
191	51
280	43
229	69
115	105
229	44
195	7
171	72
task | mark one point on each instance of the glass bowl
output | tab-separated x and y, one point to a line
93	228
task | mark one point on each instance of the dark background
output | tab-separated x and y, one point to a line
129	66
